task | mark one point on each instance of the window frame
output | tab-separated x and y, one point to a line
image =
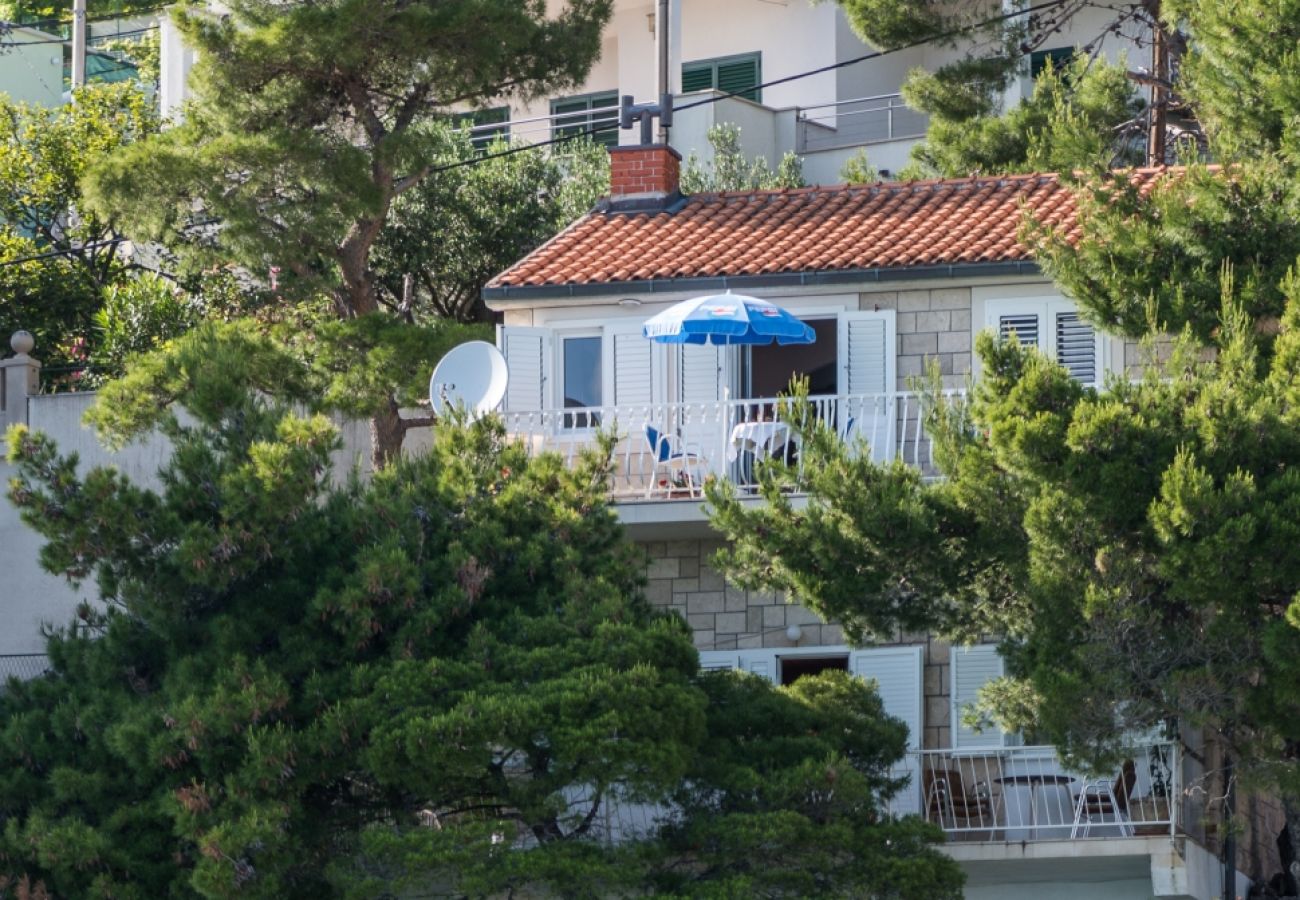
1047	308
477	117
568	421
578	121
713	63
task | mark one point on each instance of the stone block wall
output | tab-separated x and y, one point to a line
932	324
725	617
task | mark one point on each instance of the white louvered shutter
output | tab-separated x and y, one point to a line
867	356
711	660
528	357
700	373
1076	346
1055	327
898	675
972	668
633	366
759	662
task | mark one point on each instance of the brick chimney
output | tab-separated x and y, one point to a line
646	176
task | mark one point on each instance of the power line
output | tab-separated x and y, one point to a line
594	130
72	251
6	45
103	17
610	126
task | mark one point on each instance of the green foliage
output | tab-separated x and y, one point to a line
1075	119
44	153
137	316
436	679
792	775
1241	70
1132	545
458	228
730	170
1155	256
352	367
42	11
143	51
992	48
859	170
308	121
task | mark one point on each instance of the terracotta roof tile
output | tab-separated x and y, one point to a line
886	225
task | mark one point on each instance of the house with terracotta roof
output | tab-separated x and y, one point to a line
891	277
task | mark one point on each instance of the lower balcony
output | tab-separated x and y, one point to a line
1025	794
666	451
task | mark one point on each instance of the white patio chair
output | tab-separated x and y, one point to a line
683	462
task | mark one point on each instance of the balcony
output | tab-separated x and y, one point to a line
666	451
1025	794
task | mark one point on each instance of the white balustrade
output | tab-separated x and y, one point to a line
667	450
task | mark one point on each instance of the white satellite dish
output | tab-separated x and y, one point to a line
473	375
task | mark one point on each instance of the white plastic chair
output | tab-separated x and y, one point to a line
684	461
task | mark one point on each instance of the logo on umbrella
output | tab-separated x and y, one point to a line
723	311
769	311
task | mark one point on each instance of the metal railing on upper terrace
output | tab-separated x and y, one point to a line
668	450
23	666
864	120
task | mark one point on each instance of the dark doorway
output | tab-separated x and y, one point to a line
772	366
795	667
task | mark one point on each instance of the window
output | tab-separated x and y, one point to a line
1060	57
484	138
731	74
795	667
576	114
580	365
1055	327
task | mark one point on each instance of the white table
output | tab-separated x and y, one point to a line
1037	806
756	438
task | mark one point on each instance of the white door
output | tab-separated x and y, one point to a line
898	675
867	358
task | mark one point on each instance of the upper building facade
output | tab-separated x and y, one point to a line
762	50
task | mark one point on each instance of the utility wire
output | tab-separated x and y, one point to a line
6	45
103	17
73	251
600	129
610	126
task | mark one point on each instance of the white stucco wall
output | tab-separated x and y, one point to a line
32	73
30	597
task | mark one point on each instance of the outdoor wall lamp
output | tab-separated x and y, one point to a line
794	634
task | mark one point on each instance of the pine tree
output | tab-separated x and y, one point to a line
309	120
441	680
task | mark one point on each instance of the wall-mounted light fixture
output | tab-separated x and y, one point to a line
794	634
629	302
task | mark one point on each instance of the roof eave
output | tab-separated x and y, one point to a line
815	278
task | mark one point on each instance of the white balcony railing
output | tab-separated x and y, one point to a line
1025	794
864	120
668	450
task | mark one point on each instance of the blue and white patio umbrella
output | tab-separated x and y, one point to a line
726	319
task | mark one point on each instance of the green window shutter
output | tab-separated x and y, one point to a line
572	124
1059	56
608	137
697	77
740	76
